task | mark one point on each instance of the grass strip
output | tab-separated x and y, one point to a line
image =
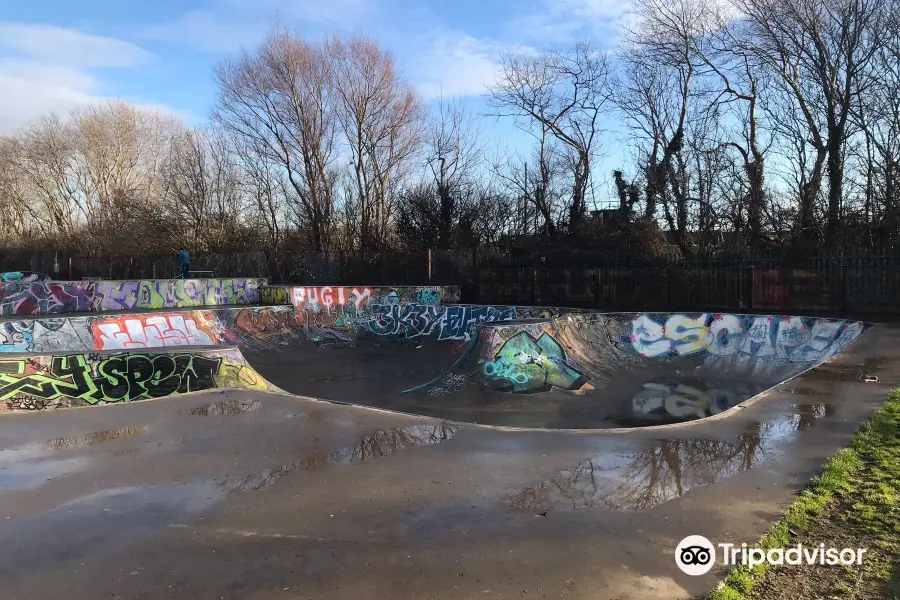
856	496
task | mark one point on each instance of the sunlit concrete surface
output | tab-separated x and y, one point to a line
251	495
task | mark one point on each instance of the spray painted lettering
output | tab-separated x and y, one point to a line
91	380
783	339
152	331
274	295
327	297
452	322
40	297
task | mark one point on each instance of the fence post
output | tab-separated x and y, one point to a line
534	287
70	268
429	277
669	288
844	286
748	295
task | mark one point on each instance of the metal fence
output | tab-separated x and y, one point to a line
434	267
859	281
818	280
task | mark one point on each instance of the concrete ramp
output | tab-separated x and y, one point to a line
500	365
614	370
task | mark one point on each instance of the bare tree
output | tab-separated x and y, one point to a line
820	50
451	206
281	99
381	117
564	93
203	196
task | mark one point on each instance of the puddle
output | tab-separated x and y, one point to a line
381	443
100	523
226	407
803	391
98	437
664	471
38	449
30	474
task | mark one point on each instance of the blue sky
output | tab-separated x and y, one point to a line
56	54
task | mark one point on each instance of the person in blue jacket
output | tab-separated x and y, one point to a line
185	260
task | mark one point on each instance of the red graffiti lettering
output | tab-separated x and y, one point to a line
151	331
328	297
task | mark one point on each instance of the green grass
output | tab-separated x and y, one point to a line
858	494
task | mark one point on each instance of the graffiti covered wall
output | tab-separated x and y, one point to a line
780	339
525	358
255	326
56	381
327	297
47	297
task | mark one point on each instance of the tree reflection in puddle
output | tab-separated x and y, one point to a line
381	443
667	470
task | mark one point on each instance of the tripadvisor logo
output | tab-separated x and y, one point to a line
696	555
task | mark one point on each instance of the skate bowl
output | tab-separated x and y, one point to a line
410	350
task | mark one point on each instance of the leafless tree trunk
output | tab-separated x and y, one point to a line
820	49
381	117
282	100
564	94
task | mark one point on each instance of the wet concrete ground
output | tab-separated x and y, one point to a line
247	495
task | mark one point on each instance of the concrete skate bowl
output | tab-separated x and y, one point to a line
402	349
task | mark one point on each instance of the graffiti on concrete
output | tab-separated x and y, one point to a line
151	331
45	380
412	320
683	399
43	297
58	381
268	322
16	336
274	295
327	297
175	293
783	339
23	276
38	297
529	360
448	384
428	295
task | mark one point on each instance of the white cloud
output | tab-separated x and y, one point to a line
456	64
565	21
69	46
51	69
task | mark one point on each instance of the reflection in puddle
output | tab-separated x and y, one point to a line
226	407
677	399
380	443
98	437
667	470
30	474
